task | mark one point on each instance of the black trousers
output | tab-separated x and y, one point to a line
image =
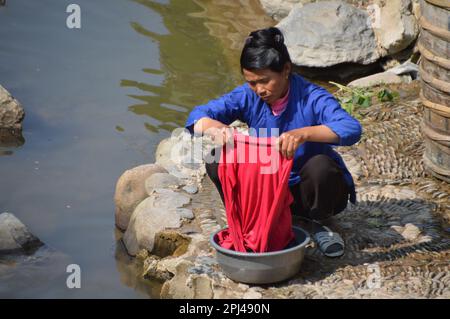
321	193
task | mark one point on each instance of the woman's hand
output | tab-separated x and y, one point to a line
219	132
288	142
220	136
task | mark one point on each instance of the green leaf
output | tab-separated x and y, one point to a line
366	101
385	95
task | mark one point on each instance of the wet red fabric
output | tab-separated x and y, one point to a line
254	178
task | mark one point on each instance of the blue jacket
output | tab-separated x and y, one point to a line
308	105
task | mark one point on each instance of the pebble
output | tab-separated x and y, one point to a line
411	232
190	189
252	295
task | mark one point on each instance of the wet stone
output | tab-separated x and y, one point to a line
190	189
185	213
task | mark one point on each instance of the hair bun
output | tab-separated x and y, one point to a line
278	39
263	49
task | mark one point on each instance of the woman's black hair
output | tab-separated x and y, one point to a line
265	49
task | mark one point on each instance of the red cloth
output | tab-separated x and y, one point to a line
257	204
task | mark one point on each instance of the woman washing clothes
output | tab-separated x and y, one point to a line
309	120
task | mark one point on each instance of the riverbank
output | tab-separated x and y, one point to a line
400	225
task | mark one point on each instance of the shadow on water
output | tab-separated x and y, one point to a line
130	270
36	272
192	64
10	139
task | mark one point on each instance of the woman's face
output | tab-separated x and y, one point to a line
269	85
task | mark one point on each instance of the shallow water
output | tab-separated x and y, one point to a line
97	101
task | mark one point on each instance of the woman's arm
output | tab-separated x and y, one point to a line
219	112
333	124
206	124
327	111
220	133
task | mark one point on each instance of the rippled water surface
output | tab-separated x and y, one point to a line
97	101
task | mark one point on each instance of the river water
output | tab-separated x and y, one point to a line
98	100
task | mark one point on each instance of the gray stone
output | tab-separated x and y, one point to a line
327	33
407	68
403	73
411	232
154	214
11	112
396	27
14	235
190	189
185	213
174	150
169	199
279	9
130	191
252	294
163	151
377	79
161	180
178	172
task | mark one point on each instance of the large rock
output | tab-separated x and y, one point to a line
279	9
327	33
396	27
130	191
11	112
14	235
182	156
178	151
156	213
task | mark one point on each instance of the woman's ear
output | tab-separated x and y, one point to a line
287	69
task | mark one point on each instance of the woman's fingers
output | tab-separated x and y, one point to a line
291	148
220	136
228	134
223	135
287	145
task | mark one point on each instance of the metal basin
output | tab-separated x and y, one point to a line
262	268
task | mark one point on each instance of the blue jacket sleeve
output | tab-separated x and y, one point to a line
329	112
225	109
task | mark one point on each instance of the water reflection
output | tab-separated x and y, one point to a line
199	56
231	22
192	63
10	138
130	270
40	273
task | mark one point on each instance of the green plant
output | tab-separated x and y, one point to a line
353	98
386	95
